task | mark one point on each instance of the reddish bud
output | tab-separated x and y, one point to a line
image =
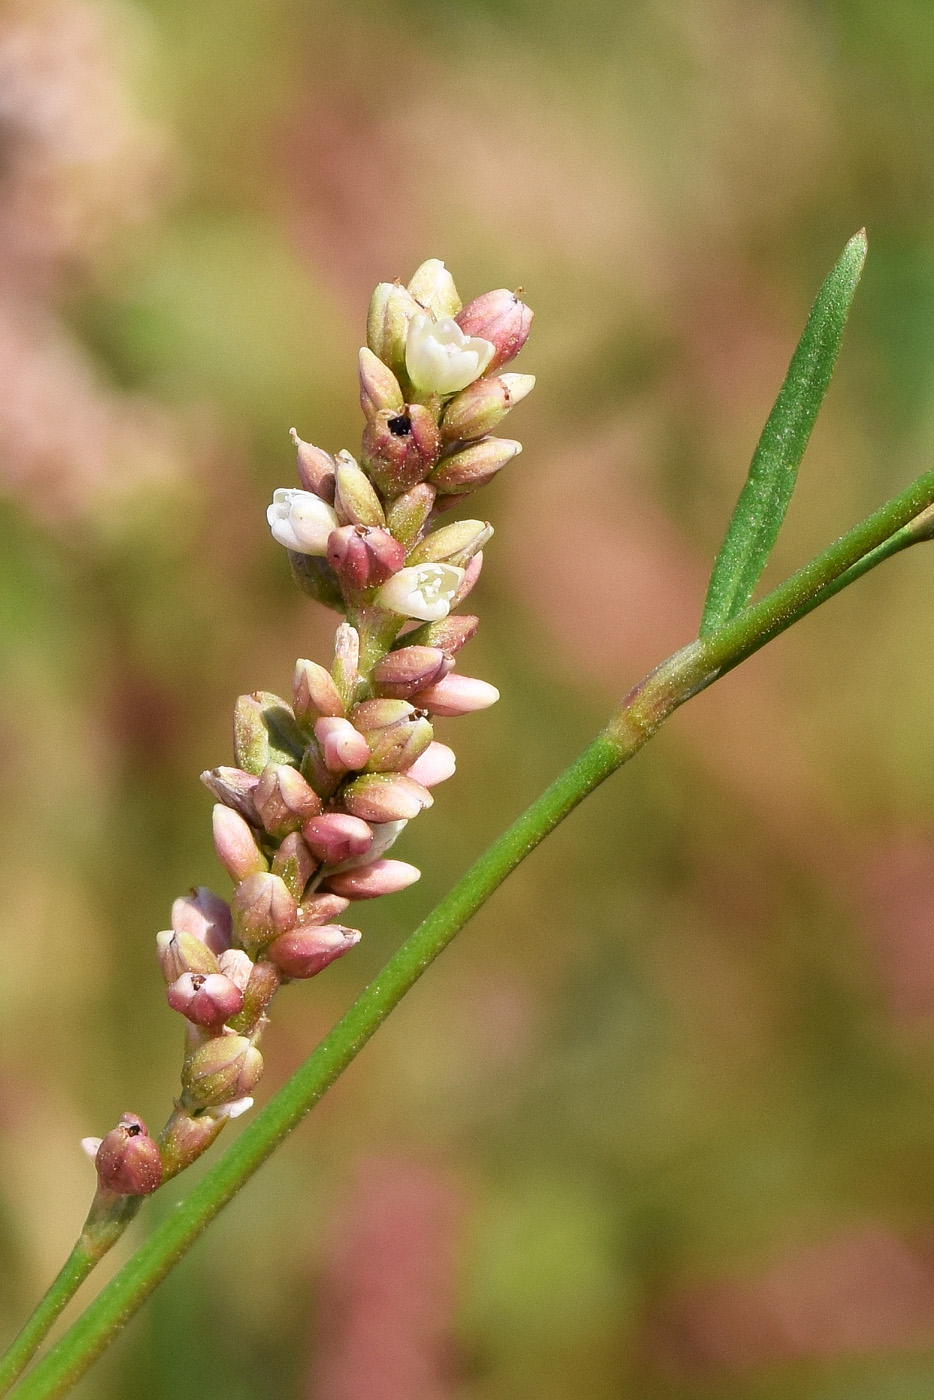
395	732
236	850
234	788
448	635
370	881
400	673
316	468
321	908
472	467
434	766
501	318
457	695
479	408
128	1160
336	836
262	908
385	797
179	951
221	1069
314	693
205	1001
364	557
471	574
205	915
306	951
379	387
283	799
342	746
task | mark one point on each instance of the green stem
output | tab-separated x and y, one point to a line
645	708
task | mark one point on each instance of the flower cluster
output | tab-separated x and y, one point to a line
322	787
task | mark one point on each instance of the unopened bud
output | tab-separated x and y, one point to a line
307	951
222	1069
265	731
283	799
472	467
448	635
385	797
371	881
234	788
471	574
483	405
453	544
314	693
185	1137
342	746
315	468
501	318
387	324
294	863
400	449
128	1160
335	836
179	952
456	695
364	557
408	512
321	908
433	288
236	849
400	673
315	577
355	500
345	669
317	773
263	984
205	1001
395	732
379	387
205	915
262	908
434	766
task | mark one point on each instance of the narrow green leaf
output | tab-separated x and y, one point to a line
764	499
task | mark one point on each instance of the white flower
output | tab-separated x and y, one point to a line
440	359
301	521
425	591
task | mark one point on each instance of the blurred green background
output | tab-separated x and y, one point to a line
661	1123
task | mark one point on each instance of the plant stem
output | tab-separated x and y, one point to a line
642	712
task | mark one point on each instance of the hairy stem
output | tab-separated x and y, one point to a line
642	712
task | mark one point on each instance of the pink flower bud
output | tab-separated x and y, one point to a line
400	673
179	951
205	915
471	574
501	318
315	468
434	766
355	500
363	557
307	950
222	1069
385	797
262	908
314	693
379	387
408	512
342	746
370	881
456	695
294	863
236	850
321	908
205	1001
472	467
128	1160
283	799
448	635
335	836
400	448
